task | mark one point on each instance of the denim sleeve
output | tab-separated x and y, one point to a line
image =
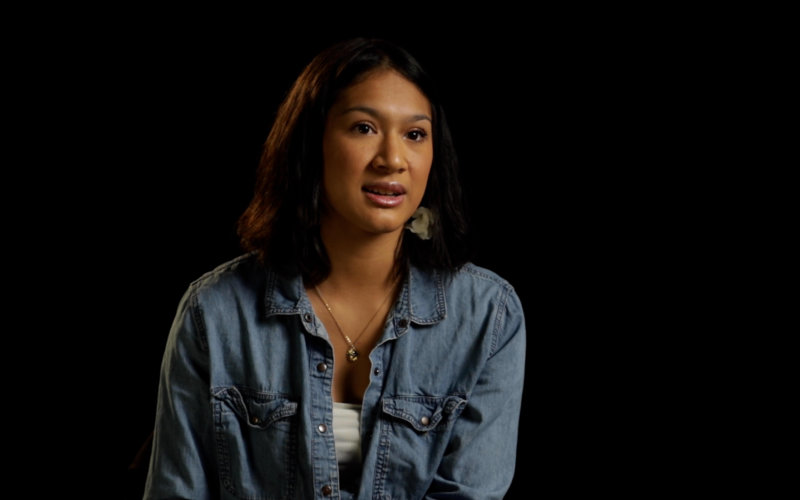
481	457
181	461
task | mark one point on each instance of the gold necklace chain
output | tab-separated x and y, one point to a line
352	352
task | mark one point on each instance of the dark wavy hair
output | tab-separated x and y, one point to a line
281	223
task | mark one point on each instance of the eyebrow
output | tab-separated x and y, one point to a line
377	114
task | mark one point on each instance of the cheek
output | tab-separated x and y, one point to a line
344	157
425	163
426	158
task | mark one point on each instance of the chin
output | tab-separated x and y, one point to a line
381	229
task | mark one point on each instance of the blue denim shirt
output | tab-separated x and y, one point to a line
244	406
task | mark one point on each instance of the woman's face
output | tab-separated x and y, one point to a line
377	150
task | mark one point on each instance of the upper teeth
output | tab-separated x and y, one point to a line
386	193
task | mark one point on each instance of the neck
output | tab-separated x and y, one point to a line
363	262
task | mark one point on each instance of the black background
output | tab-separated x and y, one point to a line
564	132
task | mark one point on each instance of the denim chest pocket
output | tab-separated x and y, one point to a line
414	434
255	434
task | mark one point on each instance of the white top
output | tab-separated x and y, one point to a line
347	433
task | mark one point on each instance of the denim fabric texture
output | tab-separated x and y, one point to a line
244	406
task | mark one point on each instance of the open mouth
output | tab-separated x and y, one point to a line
381	192
385	189
385	194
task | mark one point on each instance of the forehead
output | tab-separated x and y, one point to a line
384	87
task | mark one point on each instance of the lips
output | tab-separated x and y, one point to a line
385	194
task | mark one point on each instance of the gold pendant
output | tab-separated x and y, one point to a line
352	354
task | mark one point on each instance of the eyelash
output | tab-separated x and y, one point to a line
422	134
359	127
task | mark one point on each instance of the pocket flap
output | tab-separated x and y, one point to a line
423	413
259	409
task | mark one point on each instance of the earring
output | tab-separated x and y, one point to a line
421	223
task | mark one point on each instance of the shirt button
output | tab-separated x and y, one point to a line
256	420
322	367
403	323
377	371
322	427
307	317
327	490
424	420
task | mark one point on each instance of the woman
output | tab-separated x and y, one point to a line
353	351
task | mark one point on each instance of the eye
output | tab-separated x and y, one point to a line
363	128
417	135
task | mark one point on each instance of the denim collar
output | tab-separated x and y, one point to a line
422	297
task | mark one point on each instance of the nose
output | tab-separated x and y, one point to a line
391	156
